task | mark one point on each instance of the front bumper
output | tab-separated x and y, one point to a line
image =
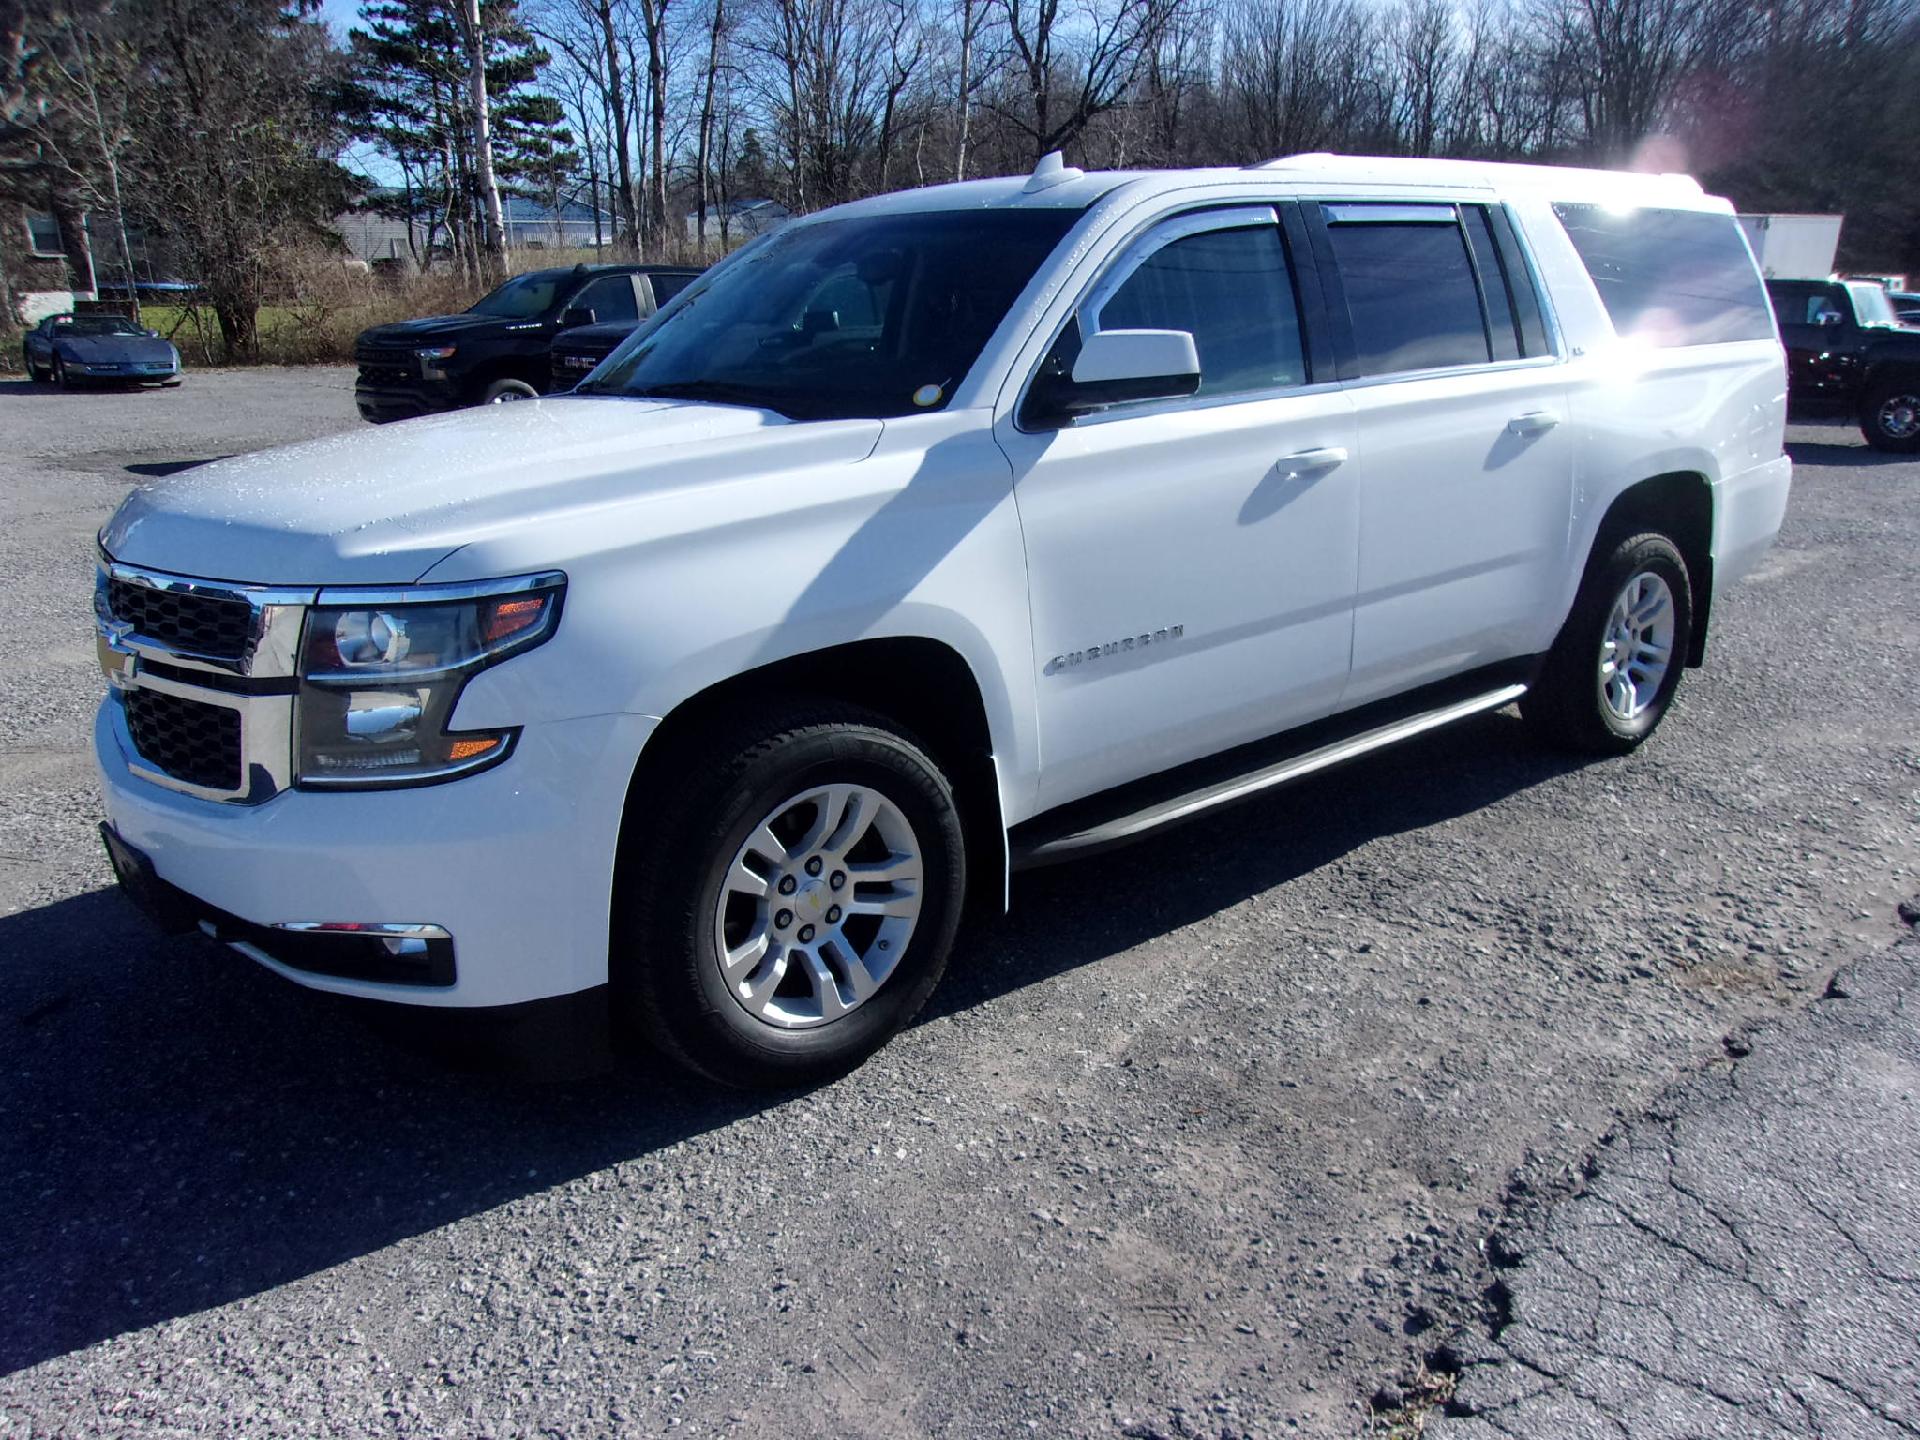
515	864
387	400
125	373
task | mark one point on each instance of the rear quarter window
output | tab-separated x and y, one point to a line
1670	277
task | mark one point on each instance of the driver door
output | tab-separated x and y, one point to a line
1192	563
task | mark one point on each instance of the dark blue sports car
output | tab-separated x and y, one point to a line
76	349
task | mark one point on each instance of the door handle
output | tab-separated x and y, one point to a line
1312	462
1534	422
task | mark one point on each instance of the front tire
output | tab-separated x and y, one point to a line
1890	417
60	376
793	901
504	392
1613	670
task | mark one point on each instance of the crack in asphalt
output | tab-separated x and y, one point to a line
1793	1153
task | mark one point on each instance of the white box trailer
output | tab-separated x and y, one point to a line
1793	247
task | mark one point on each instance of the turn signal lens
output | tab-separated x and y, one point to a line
471	749
511	617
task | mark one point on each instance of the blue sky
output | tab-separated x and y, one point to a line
340	14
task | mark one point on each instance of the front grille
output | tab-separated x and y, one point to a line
197	743
377	368
183	621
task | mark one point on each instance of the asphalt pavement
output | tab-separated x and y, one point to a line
1207	1138
1743	1260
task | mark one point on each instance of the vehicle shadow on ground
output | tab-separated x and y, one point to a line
158	469
23	386
183	1129
1819	452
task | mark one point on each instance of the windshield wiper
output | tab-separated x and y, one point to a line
718	392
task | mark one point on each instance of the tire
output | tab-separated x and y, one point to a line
502	392
1890	417
34	373
1577	701
683	896
60	374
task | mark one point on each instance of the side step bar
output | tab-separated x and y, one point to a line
1049	849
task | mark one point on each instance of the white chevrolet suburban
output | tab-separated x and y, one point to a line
927	537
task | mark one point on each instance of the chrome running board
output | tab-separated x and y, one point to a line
1170	811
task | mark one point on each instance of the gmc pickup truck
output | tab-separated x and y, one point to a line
497	350
1849	354
950	531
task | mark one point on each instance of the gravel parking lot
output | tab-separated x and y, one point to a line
1203	1139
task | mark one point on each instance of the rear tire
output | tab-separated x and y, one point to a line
736	947
34	373
1613	670
1890	417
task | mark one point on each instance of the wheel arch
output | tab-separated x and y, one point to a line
508	367
1679	504
1887	370
924	685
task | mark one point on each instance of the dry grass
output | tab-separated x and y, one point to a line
1425	1393
321	304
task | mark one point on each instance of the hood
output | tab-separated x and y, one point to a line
111	349
384	506
440	327
595	339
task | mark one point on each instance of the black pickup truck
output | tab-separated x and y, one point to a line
1849	354
497	350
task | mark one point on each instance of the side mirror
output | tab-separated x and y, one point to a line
579	315
1116	366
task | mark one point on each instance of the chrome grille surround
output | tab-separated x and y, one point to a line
258	681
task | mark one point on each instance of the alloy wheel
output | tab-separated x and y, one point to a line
1637	648
1899	416
818	906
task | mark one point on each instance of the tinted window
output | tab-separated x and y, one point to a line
1671	277
1232	290
610	298
774	325
1411	294
665	287
96	325
525	297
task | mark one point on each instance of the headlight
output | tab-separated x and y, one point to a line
438	352
379	679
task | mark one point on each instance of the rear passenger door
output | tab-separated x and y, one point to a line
1463	457
611	298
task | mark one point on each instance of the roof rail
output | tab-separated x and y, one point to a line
1050	170
1483	172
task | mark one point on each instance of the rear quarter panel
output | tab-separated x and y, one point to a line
1718	411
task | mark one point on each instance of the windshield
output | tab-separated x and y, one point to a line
97	325
1871	305
843	319
525	297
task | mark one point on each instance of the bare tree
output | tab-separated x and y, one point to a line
473	32
1071	66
